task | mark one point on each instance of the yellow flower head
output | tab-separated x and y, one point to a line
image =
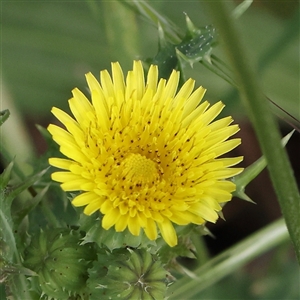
144	154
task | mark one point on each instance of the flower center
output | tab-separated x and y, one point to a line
139	169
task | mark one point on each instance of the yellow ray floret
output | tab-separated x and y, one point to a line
145	154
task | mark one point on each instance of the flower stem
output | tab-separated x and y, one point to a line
230	260
264	124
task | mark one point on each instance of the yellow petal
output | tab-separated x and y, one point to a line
204	212
134	225
220	135
212	113
194	116
61	136
151	230
230	161
93	83
85	198
110	218
222	174
185	92
73	152
118	78
184	218
139	81
212	197
221	123
223	148
61	163
193	101
65	176
71	125
80	105
159	90
79	184
121	223
92	207
107	85
168	232
152	78
171	86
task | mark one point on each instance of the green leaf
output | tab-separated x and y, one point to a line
243	179
230	260
7	237
194	47
8	194
4	179
4	114
28	206
16	190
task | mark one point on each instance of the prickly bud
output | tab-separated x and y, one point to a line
60	262
127	274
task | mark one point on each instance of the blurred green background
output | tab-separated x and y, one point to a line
48	46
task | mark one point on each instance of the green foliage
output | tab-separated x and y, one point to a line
10	257
87	261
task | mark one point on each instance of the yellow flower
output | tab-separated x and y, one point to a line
144	154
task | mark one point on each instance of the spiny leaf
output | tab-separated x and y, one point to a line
15	191
29	205
5	177
194	47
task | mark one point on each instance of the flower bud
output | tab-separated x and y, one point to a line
127	274
60	262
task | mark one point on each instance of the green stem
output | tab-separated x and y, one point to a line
230	260
264	124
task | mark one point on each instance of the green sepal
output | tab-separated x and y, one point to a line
184	248
110	238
